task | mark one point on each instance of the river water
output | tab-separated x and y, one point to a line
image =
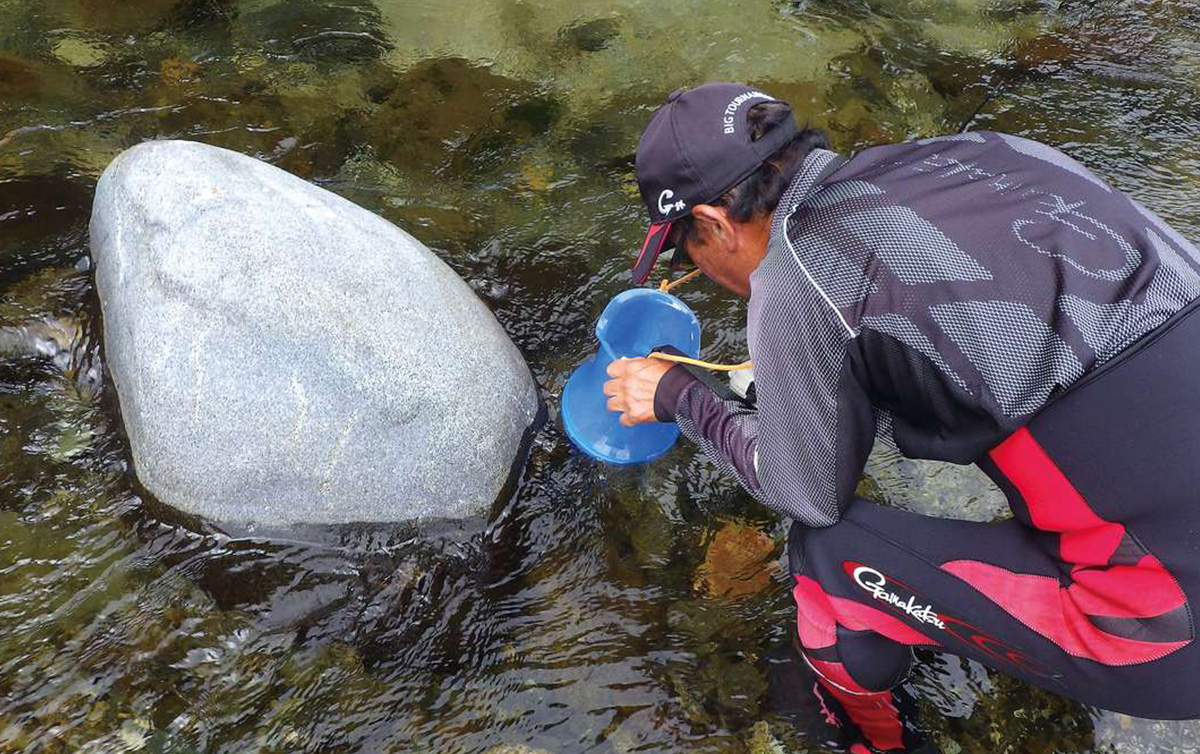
594	609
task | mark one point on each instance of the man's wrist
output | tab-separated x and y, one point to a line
670	387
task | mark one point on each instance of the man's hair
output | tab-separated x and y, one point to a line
759	193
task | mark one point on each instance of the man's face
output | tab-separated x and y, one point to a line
725	250
711	248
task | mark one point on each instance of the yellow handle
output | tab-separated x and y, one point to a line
666	285
704	364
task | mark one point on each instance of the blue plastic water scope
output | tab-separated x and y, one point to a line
633	324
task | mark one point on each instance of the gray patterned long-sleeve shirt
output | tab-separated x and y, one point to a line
946	289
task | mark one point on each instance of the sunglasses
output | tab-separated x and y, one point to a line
679	256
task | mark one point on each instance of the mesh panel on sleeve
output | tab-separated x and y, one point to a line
798	344
885	427
841	279
742	416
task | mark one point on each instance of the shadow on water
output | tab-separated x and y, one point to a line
595	608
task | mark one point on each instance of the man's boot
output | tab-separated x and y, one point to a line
863	722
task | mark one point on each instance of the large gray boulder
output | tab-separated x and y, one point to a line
284	356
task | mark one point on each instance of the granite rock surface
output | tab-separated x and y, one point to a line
284	356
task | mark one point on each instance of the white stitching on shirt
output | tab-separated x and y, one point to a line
807	274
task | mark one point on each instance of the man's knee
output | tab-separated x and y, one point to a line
875	662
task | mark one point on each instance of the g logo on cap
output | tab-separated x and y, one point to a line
666	208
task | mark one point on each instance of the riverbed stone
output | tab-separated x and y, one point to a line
737	562
283	356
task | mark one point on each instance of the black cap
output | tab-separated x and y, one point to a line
696	148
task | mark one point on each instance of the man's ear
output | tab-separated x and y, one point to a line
714	223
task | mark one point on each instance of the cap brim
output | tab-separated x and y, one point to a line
656	241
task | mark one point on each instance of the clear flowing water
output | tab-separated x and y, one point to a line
594	609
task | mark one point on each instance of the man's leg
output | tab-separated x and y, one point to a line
822	711
861	604
1008	595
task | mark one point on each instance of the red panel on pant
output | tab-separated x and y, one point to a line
1087	542
818	615
1146	590
1054	503
1043	605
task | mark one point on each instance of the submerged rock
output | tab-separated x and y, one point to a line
737	562
283	356
79	53
590	36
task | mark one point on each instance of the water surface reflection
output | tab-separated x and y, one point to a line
585	612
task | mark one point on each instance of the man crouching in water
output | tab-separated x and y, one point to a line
978	298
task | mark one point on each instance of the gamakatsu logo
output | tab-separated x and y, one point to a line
876	583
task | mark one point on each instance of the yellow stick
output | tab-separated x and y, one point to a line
667	285
704	364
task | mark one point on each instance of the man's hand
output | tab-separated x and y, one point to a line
631	391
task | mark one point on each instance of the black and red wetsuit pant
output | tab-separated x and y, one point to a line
1087	591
